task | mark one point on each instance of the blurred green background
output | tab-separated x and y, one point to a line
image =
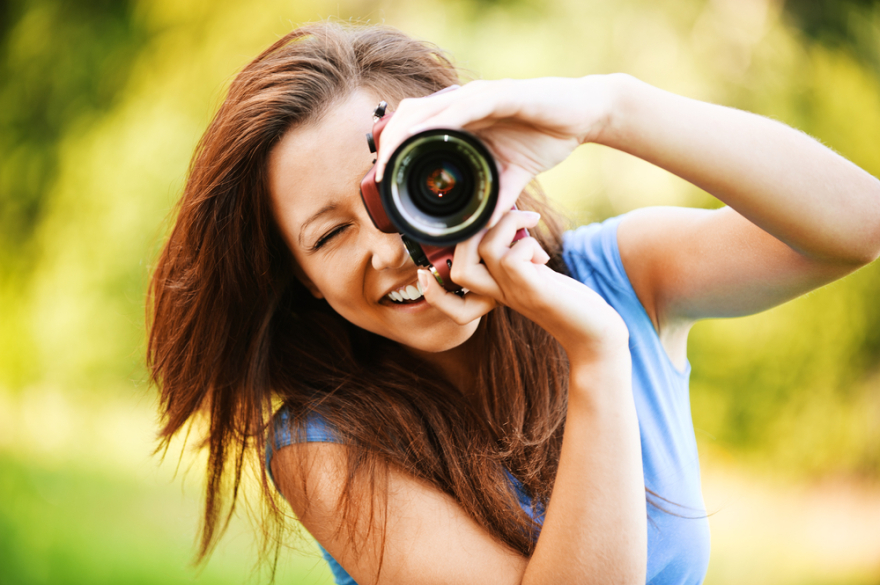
101	104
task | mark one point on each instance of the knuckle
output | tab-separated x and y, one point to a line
483	249
533	244
457	272
461	319
509	261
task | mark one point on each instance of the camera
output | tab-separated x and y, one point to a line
440	187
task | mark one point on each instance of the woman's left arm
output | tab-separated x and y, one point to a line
799	215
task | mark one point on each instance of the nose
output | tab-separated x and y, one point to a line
387	250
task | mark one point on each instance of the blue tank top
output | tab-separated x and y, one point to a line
678	529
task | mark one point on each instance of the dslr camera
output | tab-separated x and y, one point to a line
439	188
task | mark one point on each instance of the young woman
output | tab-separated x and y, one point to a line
536	429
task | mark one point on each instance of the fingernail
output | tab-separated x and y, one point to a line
423	281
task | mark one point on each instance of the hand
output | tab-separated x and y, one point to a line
529	125
494	271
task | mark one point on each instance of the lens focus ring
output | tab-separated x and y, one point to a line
442	186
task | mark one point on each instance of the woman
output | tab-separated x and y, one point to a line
513	434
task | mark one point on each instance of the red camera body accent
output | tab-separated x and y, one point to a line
369	186
441	259
370	196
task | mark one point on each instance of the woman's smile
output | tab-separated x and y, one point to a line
406	294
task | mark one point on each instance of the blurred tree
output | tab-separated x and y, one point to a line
111	149
850	24
63	62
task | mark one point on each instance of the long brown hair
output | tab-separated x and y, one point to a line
233	332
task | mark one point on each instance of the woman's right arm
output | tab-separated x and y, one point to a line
595	526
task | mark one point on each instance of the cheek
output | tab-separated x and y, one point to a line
343	290
339	278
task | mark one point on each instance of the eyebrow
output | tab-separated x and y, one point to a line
302	228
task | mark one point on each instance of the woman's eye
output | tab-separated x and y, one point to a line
328	236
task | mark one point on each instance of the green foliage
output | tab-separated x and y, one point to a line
851	24
99	124
64	64
62	525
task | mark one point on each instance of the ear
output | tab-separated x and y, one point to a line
306	281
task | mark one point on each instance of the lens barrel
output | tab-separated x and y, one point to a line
440	186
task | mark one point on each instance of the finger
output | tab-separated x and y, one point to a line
497	240
476	278
521	269
477	101
410	112
469	271
529	250
467	252
513	181
461	309
460	114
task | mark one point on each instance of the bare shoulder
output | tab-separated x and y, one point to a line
428	538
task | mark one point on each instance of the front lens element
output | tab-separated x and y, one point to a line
442	180
437	185
441	188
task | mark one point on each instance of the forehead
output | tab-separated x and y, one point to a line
322	162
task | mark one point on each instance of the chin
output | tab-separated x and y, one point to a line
441	341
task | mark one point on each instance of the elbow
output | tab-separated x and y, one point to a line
853	250
862	236
867	249
859	256
873	251
871	241
870	257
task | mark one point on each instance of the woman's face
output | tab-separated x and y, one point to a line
314	180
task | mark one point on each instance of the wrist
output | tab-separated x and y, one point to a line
622	91
602	384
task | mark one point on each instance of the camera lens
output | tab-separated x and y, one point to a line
441	187
442	179
438	185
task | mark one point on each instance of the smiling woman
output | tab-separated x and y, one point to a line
314	173
534	429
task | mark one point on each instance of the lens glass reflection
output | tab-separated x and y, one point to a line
442	180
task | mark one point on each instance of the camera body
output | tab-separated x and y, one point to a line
440	187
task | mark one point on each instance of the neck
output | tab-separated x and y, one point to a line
458	365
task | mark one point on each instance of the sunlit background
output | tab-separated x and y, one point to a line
101	104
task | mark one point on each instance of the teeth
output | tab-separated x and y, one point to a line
407	293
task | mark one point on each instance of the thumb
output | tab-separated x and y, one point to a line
461	309
513	180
